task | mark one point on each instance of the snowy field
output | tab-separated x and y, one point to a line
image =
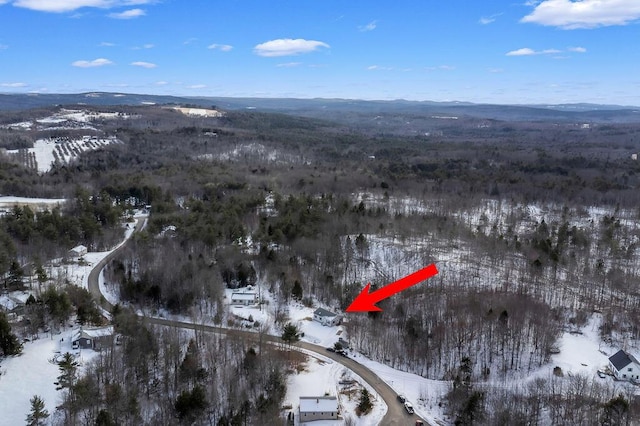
8	202
34	373
50	151
66	119
321	376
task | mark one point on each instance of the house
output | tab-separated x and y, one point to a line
78	251
325	317
95	338
624	366
245	297
318	408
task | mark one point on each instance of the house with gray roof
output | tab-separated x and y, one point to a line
326	317
624	366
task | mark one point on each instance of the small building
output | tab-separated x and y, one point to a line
245	298
318	408
94	338
624	366
78	251
326	317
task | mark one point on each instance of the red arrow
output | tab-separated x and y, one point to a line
366	302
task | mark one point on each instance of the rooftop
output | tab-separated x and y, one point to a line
93	332
324	313
315	404
243	296
621	359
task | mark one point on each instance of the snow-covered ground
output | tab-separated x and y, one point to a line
321	376
48	151
34	373
8	201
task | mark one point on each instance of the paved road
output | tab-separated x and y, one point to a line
396	414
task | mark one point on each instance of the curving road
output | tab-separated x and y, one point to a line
396	414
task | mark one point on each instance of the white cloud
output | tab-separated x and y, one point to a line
495	70
486	20
570	14
106	44
60	6
197	86
14	85
287	47
369	27
525	51
289	65
100	62
222	47
442	68
379	68
144	46
3	46
161	83
128	14
143	64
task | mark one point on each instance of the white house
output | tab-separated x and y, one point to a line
325	317
624	366
78	251
246	297
318	408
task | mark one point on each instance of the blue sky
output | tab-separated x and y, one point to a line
499	51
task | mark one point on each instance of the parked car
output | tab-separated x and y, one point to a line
408	407
402	398
601	374
330	349
419	423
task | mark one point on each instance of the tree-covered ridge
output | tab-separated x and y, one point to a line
533	226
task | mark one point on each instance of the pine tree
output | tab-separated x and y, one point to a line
38	415
364	406
68	367
296	292
9	344
290	333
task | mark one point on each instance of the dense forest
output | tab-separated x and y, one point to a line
533	224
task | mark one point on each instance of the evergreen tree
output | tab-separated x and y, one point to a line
38	415
68	368
290	334
616	412
365	405
9	344
191	404
296	292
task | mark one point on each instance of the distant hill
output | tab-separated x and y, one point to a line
334	108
